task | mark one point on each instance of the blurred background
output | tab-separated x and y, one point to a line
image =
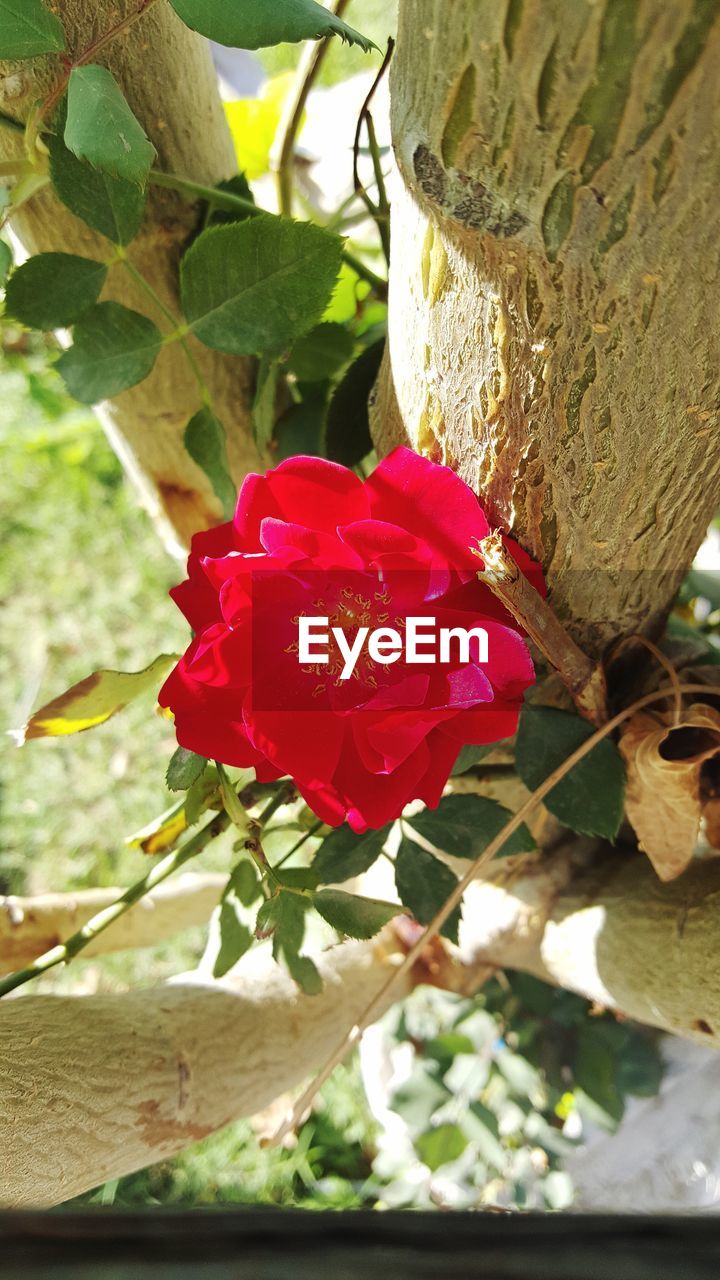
506	1099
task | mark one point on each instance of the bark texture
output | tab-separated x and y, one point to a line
93	1088
31	926
556	249
167	75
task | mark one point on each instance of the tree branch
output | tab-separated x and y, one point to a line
30	926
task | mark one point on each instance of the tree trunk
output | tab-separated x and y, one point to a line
94	1088
556	247
168	77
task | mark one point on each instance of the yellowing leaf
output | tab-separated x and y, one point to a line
94	700
254	122
161	833
666	797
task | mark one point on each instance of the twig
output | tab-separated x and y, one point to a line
103	919
294	1116
307	72
664	662
380	212
584	678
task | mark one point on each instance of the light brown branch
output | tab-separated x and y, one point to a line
584	678
29	926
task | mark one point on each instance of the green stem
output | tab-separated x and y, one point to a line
232	203
308	70
161	871
176	335
298	844
382	212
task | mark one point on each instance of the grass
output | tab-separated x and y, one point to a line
83	583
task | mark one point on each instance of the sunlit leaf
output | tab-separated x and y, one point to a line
185	767
94	700
257	285
353	915
343	854
255	24
464	825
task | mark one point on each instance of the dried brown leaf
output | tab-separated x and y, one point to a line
664	800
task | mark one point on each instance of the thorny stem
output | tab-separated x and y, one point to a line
162	870
227	200
307	72
294	1116
584	678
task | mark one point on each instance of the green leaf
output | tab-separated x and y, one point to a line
28	28
161	832
205	442
347	430
321	353
94	700
352	915
264	402
236	186
113	349
108	205
595	1072
257	285
469	756
424	884
235	938
284	915
343	854
299	430
464	826
101	128
590	799
255	24
440	1145
419	1097
54	289
185	767
204	793
231	932
6	261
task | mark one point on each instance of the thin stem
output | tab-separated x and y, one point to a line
664	662
162	870
307	73
378	212
177	335
298	844
378	1001
382	212
227	200
82	58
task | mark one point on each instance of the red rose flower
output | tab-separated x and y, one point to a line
311	540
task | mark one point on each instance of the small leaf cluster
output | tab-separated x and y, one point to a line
251	283
500	1089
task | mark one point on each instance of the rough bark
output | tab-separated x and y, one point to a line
168	77
556	245
93	1088
31	926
